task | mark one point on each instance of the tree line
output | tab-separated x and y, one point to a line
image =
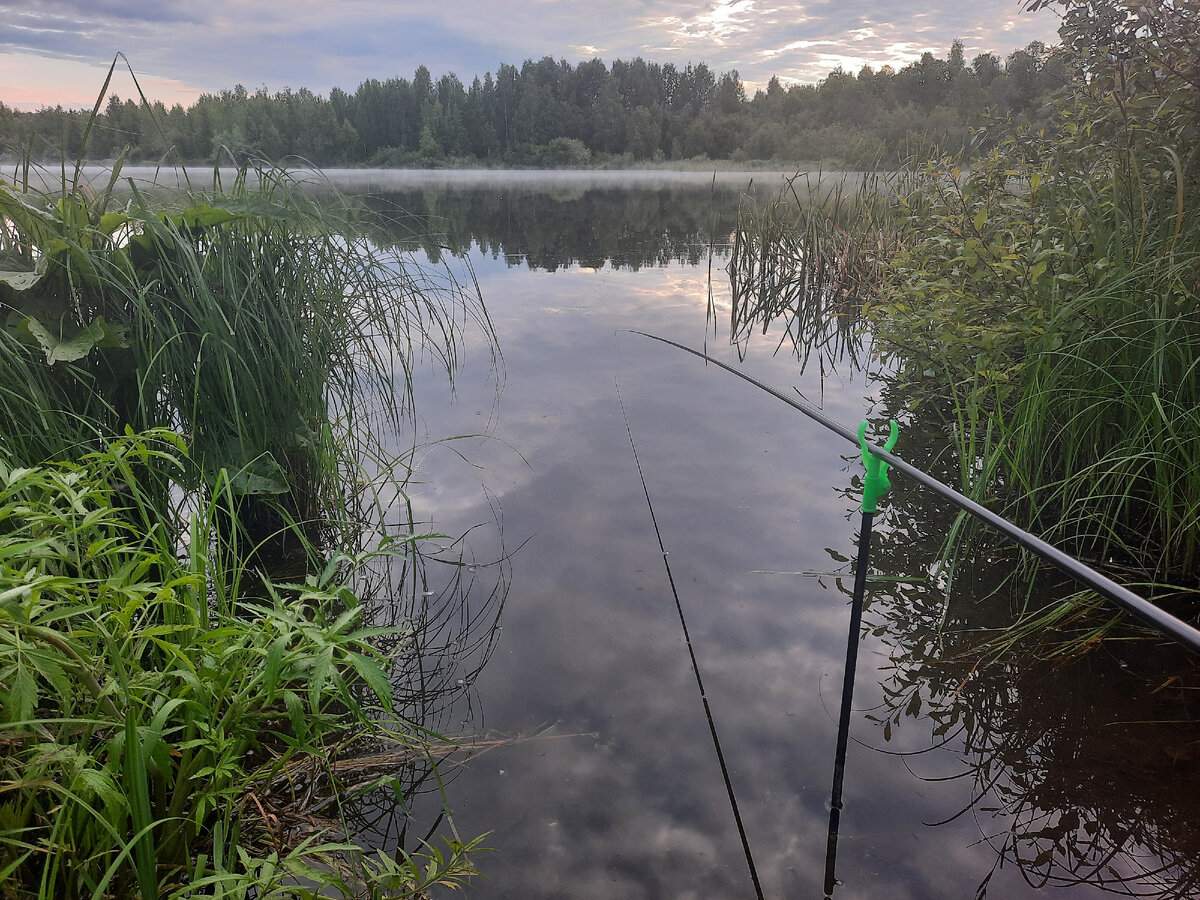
553	113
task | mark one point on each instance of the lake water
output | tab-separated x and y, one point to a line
1011	778
596	772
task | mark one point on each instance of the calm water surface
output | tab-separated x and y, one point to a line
1014	779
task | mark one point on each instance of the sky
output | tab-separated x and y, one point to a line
58	51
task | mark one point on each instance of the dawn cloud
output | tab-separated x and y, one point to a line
55	48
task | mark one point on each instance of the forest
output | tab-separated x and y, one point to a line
551	113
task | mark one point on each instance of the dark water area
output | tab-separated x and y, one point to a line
963	778
544	227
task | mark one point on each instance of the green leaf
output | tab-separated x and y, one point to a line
319	677
63	348
274	664
372	673
261	475
22	697
296	716
18	281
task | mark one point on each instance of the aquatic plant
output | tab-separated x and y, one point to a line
1062	320
199	390
807	259
1044	300
252	318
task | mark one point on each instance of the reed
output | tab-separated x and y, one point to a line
1048	301
1045	300
253	319
191	382
808	258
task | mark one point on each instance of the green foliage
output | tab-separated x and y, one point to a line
1042	295
252	318
145	730
167	709
1049	294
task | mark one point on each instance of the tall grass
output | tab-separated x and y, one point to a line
1069	342
807	259
192	381
253	319
1046	300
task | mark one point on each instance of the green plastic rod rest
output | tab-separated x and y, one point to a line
876	483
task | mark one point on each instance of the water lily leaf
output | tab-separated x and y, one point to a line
69	347
261	475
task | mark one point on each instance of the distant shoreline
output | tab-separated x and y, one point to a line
369	178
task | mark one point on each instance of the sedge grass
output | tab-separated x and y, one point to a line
1047	299
181	390
253	319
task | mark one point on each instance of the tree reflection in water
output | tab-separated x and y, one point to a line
551	229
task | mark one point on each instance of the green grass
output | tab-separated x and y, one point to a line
251	318
156	726
1046	302
1064	324
204	394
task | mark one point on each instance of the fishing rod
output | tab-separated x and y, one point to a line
1156	617
712	726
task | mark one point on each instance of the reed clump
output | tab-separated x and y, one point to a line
201	393
1063	318
807	258
1045	297
250	317
1049	298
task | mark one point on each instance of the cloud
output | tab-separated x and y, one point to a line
185	48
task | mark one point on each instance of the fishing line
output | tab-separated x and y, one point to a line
712	727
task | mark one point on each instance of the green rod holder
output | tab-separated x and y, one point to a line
876	483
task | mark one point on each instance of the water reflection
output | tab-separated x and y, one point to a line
445	605
963	777
584	226
1079	772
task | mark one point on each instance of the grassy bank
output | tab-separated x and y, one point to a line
166	732
195	406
